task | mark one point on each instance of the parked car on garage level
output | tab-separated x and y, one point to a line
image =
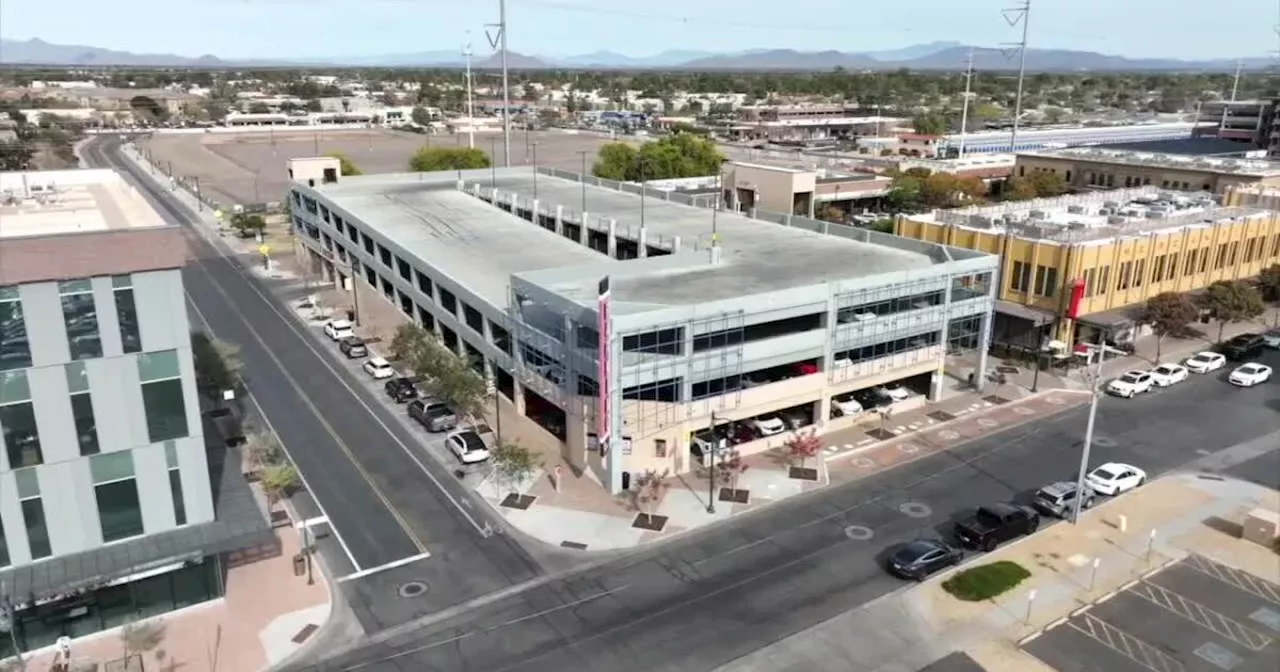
769	425
1271	339
401	389
845	405
353	348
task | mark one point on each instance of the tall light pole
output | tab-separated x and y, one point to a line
964	113
499	42
1095	386
471	110
1012	16
535	174
583	178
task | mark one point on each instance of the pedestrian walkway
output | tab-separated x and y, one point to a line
267	613
581	515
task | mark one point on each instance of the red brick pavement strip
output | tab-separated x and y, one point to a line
946	435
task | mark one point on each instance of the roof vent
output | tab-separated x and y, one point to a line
1116	220
1037	214
1075	209
1111	204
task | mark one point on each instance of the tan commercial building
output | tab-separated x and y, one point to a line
796	191
1099	168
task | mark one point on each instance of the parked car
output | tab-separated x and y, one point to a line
769	425
918	559
401	389
1059	499
467	446
1271	339
1131	384
994	524
1165	375
337	330
379	368
895	393
871	400
1114	478
353	348
845	405
1248	375
434	416
1243	347
1204	362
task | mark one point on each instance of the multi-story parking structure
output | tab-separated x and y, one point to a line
108	512
716	316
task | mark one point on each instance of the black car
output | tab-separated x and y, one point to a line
401	389
918	559
353	348
1243	347
994	524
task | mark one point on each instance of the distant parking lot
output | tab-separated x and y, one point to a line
1194	616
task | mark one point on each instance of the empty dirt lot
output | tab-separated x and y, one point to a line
250	167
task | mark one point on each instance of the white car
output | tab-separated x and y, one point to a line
846	405
769	425
1169	374
337	330
1204	362
1114	478
1131	384
895	393
467	446
379	368
1248	375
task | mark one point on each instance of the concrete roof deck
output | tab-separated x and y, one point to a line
47	203
757	256
473	243
1221	166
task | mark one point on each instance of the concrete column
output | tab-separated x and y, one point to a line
515	199
675	244
559	220
462	185
643	243
613	238
936	380
533	215
493	195
518	390
475	190
823	414
582	230
984	344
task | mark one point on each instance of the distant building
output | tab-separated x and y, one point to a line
1245	121
1100	168
799	191
984	142
985	167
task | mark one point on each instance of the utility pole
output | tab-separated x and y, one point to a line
499	42
583	178
964	114
493	162
1095	387
471	113
643	189
711	464
1235	83
535	176
1012	16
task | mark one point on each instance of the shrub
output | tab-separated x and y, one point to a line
985	581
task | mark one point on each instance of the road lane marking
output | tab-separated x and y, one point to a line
384	567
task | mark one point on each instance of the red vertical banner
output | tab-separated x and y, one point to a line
1077	297
604	372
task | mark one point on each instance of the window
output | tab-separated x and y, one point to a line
1248	249
1139	272
1021	278
473	318
1046	280
116	489
1204	259
126	313
353	233
28	486
162	395
15	352
660	448
1158	273
406	303
1220	259
1126	275
448	301
1090	277
1104	280
384	255
81	318
1171	268
426	319
402	267
368	244
18	421
500	337
86	426
175	483
1231	253
424	284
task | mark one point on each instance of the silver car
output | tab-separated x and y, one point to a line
1272	339
1058	499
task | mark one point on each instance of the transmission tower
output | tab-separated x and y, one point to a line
499	41
1013	16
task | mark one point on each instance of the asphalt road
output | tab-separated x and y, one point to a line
384	502
699	603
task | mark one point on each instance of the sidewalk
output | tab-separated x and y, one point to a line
266	615
581	515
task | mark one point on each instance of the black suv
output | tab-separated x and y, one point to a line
353	348
401	389
1243	347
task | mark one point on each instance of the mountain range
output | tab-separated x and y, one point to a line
931	56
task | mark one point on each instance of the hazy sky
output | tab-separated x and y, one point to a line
326	28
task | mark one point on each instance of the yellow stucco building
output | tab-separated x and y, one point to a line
1124	246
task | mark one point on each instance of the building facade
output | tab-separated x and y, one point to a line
1122	246
104	475
1100	168
1244	121
705	326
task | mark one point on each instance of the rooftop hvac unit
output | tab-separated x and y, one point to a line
1075	209
1078	226
1116	220
1037	214
1157	213
981	221
1145	198
1105	211
1111	205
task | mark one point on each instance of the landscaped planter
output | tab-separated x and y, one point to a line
735	495
803	473
645	521
517	501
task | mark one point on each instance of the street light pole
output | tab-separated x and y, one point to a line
493	162
535	174
1088	433
711	475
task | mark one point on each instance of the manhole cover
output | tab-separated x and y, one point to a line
915	510
1023	410
1105	442
412	589
987	422
909	448
863	462
948	435
858	532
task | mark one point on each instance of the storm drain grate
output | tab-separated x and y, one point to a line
413	589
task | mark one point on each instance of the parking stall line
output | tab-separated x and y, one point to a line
1235	577
1203	616
1126	645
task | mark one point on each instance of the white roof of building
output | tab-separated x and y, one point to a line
48	202
1252	167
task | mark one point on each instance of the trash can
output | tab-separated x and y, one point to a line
626	480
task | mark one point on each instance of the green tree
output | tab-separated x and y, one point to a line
420	115
682	155
930	123
1168	314
345	165
430	159
247	225
615	161
513	464
1232	301
279	481
1018	189
314	105
1269	282
447	375
1048	185
15	155
217	363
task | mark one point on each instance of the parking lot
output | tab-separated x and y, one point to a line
1196	615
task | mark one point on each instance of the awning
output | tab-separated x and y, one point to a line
1036	316
1110	320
